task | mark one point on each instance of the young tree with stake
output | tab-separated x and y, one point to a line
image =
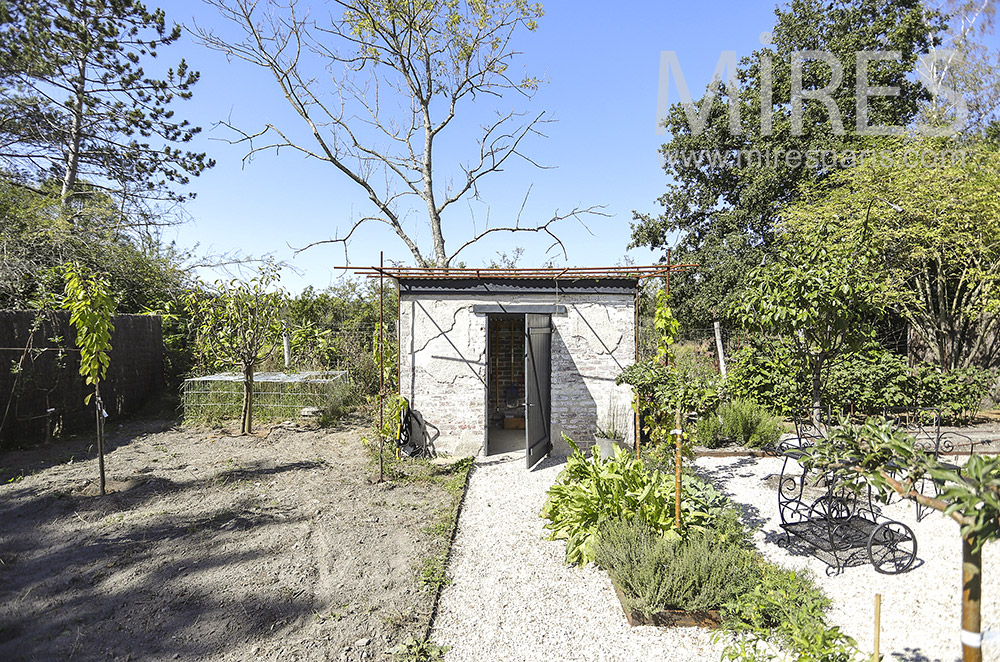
91	310
819	300
239	326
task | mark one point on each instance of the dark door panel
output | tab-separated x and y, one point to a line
537	377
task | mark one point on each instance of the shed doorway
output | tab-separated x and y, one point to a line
505	393
518	393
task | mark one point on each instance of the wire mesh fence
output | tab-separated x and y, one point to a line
333	368
350	347
276	395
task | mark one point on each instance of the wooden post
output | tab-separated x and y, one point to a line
636	418
718	347
286	344
381	370
972	575
677	471
878	625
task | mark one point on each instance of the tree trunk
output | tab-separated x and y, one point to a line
100	433
817	405
247	422
75	136
972	576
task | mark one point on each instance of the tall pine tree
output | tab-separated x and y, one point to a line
79	111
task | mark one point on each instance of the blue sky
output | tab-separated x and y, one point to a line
601	62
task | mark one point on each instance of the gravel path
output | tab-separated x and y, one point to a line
513	598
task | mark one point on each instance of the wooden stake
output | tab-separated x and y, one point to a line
381	370
286	344
878	625
718	347
677	472
100	432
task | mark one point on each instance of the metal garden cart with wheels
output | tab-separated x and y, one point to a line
839	526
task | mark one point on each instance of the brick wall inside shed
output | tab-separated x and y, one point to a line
443	368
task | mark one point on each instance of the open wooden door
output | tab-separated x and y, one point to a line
537	378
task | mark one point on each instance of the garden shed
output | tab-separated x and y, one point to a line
495	360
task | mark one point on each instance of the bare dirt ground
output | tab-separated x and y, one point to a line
213	546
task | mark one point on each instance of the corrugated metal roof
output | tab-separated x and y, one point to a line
495	286
551	273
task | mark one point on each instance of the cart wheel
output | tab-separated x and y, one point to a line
892	548
830	507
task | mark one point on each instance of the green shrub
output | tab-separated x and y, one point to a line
591	491
708	432
729	529
212	400
768	374
957	393
785	610
869	381
748	424
864	382
655	572
342	402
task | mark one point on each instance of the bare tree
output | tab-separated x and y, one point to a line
964	64
399	71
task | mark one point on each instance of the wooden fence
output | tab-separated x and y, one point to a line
41	390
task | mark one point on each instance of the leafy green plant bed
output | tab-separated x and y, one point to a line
739	421
659	575
591	491
618	512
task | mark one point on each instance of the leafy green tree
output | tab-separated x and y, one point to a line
91	311
929	211
820	301
142	272
406	76
722	212
80	107
239	326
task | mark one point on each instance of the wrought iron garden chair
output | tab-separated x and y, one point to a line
923	424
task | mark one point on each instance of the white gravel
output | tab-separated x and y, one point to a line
512	596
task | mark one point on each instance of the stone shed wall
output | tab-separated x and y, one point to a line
443	364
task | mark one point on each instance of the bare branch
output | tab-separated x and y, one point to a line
542	228
399	76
